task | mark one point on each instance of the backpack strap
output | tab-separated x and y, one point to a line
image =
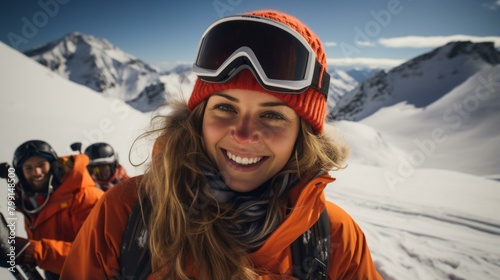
135	257
311	251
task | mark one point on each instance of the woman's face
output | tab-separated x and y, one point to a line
249	135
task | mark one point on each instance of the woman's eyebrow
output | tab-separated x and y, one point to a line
227	97
273	104
264	104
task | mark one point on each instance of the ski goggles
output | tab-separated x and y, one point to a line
278	56
101	171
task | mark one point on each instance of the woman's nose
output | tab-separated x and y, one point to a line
246	130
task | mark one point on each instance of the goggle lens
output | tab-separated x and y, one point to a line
286	60
100	171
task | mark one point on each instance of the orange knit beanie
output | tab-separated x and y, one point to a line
309	105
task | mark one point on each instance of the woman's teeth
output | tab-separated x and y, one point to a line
244	160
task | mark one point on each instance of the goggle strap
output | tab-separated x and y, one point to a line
324	84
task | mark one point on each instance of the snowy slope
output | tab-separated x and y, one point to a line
459	132
433	224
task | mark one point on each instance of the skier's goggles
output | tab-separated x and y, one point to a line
279	57
96	170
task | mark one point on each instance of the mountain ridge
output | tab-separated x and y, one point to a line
419	81
96	63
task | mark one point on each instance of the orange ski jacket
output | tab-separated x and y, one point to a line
96	250
52	230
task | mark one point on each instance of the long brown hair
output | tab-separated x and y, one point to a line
184	223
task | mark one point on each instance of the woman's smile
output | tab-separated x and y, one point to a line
243	160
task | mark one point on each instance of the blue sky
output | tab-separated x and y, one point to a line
163	33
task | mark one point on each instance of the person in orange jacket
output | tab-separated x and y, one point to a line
55	194
104	166
236	181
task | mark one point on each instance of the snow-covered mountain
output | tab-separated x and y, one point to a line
462	127
340	84
97	64
433	224
419	82
361	74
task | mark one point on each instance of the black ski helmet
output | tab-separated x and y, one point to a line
39	148
102	153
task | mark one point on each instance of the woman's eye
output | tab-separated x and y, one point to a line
224	107
274	116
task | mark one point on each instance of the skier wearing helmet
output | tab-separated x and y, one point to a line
55	195
104	166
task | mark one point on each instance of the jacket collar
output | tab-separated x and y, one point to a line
307	202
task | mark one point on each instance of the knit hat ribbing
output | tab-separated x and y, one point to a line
309	105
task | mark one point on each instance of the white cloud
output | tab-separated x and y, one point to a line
361	44
492	5
367	62
332	44
433	41
365	44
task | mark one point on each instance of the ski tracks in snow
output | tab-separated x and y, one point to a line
414	241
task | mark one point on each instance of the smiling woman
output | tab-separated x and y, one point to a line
235	186
249	136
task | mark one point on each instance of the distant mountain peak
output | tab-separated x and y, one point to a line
69	43
485	50
96	63
77	37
